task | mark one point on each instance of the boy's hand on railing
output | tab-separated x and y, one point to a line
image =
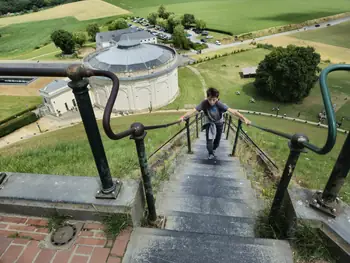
247	122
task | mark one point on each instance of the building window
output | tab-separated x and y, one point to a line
66	106
45	100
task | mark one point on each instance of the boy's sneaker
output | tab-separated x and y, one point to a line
211	157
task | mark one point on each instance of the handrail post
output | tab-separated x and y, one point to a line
327	201
225	123
229	126
139	137
188	135
239	127
109	189
197	126
296	148
201	120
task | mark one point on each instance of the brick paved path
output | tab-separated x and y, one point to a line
21	237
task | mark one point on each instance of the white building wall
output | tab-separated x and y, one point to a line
138	95
58	102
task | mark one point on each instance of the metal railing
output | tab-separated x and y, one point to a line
137	131
325	201
78	75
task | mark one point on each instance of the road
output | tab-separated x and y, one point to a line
213	47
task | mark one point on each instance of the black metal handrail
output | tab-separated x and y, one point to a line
248	138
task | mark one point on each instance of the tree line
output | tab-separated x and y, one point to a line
20	6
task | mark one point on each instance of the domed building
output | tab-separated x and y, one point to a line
147	73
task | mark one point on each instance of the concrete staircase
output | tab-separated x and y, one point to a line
210	210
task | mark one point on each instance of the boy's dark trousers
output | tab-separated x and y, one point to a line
212	145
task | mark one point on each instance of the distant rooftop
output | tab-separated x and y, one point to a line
130	56
55	86
249	71
122	34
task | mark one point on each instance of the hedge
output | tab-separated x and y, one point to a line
17	114
219	31
12	125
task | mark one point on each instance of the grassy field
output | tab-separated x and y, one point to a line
312	170
51	152
223	73
337	35
241	16
19	40
84	10
191	91
10	105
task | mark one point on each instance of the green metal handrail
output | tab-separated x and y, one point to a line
332	128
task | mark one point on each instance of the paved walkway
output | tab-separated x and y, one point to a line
22	240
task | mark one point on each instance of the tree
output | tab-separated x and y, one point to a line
162	23
288	74
79	38
179	38
118	24
162	13
173	21
200	24
63	40
152	18
92	30
188	19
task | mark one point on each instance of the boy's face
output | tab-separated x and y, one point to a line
212	100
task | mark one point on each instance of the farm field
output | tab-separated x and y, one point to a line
335	54
312	170
83	10
239	16
337	35
49	153
10	105
20	39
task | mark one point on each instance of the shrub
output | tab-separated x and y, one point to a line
17	123
17	114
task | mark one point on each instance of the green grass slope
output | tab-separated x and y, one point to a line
223	73
10	105
67	151
312	170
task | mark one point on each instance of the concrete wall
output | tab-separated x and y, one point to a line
58	102
137	95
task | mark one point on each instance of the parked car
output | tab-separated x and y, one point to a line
328	24
317	25
203	40
217	42
205	33
209	37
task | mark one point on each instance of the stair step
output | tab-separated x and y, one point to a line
164	246
209	166
210	224
210	186
205	205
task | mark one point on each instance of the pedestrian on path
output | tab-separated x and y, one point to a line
213	122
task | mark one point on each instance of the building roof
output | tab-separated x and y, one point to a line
249	71
130	56
136	36
55	86
122	34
